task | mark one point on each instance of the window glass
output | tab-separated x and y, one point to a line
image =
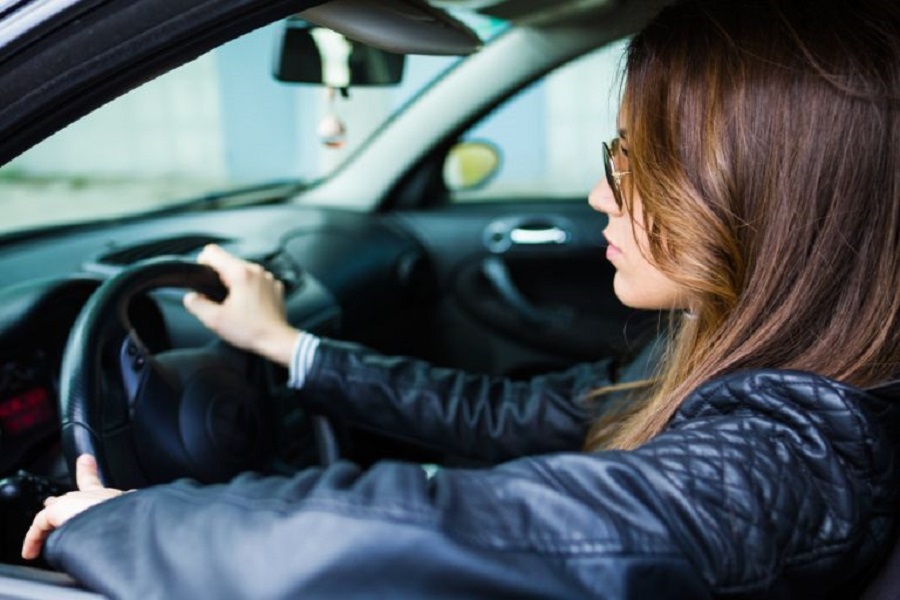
221	122
549	136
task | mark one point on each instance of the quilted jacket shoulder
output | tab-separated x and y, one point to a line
831	495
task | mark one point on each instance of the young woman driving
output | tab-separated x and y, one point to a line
754	190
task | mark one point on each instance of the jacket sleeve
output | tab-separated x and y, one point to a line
474	416
746	497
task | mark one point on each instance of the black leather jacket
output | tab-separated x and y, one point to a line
768	484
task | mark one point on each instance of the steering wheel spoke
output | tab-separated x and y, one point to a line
133	358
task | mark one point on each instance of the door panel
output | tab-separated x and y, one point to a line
524	286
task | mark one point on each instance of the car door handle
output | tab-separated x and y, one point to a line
539	237
494	270
527	232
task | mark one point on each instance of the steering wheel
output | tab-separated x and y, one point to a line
152	418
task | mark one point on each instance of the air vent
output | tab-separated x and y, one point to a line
174	246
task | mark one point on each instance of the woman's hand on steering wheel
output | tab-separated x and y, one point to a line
252	316
59	509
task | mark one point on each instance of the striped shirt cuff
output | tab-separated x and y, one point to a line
302	359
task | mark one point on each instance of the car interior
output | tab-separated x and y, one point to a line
97	353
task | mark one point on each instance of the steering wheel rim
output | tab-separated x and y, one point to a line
187	394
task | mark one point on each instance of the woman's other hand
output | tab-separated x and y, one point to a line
59	509
252	317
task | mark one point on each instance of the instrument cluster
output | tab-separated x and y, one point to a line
29	414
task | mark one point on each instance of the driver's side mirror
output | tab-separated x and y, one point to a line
471	165
315	55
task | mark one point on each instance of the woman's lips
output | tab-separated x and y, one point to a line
612	251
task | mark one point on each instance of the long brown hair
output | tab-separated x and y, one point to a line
764	142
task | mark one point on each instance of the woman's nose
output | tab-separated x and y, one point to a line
602	199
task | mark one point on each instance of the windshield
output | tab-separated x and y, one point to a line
221	122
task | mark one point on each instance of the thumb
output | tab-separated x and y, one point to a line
200	306
86	475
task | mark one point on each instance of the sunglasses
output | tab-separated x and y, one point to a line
613	175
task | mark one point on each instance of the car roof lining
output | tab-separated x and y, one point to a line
400	26
424	27
537	12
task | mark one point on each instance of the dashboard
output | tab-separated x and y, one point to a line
343	272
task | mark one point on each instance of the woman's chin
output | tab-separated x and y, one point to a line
626	293
647	294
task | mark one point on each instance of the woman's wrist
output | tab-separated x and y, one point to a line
279	347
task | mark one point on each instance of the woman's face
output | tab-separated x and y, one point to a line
637	283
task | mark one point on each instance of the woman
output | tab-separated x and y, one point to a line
754	189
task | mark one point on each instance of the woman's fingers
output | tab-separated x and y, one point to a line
229	267
252	317
86	475
58	510
36	536
201	307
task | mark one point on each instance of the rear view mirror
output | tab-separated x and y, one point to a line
315	55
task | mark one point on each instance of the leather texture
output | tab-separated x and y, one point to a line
481	418
766	484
